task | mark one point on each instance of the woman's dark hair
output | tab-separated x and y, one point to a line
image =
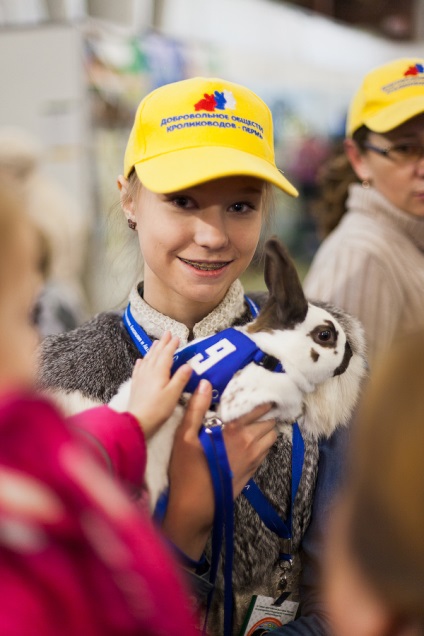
333	179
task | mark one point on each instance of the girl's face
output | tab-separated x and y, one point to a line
401	181
20	282
196	242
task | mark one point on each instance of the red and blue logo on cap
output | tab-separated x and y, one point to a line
218	100
416	69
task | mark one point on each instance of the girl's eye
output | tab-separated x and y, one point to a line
183	202
241	207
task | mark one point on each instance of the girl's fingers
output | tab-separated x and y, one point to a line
265	441
197	407
138	369
184	370
253	416
171	346
158	345
263	427
180	378
253	456
162	351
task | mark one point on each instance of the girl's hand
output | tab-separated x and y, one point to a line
154	393
190	512
248	441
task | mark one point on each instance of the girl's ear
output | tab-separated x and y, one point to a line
127	202
357	159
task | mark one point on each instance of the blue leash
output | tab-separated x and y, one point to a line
213	444
256	498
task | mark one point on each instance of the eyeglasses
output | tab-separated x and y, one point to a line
399	153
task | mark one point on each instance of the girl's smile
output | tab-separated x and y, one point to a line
207	267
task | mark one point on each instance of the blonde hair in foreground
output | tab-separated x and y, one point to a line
386	486
12	220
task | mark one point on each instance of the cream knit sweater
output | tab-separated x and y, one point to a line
372	265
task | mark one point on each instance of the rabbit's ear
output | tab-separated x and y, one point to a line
283	283
286	305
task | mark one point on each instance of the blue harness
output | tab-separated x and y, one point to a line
216	359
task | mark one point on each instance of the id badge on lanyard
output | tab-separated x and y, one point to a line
266	614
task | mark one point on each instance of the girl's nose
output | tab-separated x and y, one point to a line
211	230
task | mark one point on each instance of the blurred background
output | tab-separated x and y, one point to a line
74	71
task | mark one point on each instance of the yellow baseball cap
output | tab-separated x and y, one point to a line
389	95
201	129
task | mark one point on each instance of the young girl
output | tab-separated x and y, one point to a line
198	166
76	555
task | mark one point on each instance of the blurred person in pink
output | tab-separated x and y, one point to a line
77	556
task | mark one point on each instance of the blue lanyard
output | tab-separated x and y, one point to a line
254	309
137	333
140	338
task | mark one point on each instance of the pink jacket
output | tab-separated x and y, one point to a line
77	557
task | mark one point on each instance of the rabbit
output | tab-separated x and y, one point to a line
322	352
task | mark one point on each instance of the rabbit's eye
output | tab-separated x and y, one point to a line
324	335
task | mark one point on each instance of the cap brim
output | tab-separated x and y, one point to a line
188	167
395	115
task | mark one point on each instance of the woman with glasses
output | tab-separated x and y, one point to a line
371	262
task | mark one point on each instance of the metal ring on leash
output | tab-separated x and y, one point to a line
213	422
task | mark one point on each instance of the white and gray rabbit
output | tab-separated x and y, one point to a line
322	353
